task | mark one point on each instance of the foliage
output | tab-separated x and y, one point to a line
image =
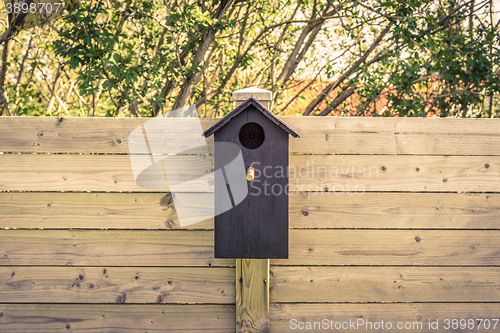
140	58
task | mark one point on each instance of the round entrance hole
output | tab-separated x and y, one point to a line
251	135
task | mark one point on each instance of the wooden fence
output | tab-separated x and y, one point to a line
414	237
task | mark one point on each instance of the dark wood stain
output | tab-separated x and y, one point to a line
258	226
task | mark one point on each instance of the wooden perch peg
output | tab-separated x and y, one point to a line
250	174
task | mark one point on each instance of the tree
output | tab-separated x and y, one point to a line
319	57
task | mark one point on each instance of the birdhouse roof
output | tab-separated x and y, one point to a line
243	106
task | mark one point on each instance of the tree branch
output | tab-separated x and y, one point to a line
337	101
346	74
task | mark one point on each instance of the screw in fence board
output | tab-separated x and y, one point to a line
252	295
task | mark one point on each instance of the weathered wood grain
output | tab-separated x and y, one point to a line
396	210
51	318
285	316
420	136
195	248
64	172
113	318
384	284
75	135
353	174
252	295
91	211
393	247
144	211
331	265
117	285
109	248
333	135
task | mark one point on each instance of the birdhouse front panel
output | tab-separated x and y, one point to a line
257	227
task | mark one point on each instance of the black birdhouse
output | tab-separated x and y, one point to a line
257	224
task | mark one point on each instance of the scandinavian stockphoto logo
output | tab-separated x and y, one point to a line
169	153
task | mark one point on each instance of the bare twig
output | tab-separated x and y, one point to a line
337	101
346	74
7	50
62	105
21	69
53	90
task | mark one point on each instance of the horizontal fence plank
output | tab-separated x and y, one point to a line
332	135
353	174
78	135
148	211
384	284
85	173
220	318
195	248
52	318
117	285
393	247
412	136
396	210
372	317
109	248
89	210
356	174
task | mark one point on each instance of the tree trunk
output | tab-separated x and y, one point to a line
7	50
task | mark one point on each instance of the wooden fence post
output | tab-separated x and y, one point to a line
252	275
252	295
